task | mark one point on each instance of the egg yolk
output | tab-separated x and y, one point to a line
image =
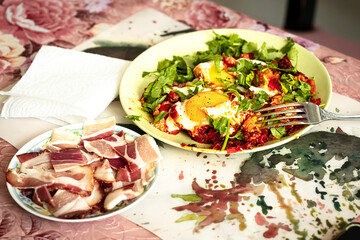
215	77
203	99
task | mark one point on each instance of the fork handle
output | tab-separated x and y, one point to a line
334	116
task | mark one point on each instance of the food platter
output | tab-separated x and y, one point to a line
133	84
36	145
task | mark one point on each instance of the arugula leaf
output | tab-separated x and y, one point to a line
190	93
230	45
150	107
244	104
260	99
249	47
278	132
220	125
290	43
288	98
160	116
238	135
134	117
243	66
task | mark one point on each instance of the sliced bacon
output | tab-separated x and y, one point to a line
104	172
31	178
126	175
98	129
118	162
89	157
69	205
96	195
62	138
66	159
105	147
42	195
121	194
29	160
148	149
79	180
139	152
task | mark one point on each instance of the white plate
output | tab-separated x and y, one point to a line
35	145
132	85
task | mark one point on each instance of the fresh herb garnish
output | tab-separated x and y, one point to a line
160	116
134	117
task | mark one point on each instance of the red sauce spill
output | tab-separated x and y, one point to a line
260	219
205	156
181	175
214	172
198	154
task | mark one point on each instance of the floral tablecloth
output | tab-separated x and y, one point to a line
27	25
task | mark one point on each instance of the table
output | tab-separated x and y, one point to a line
77	24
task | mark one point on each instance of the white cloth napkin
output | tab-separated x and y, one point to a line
65	86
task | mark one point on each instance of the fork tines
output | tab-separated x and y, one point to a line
282	115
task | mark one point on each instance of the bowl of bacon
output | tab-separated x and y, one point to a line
83	172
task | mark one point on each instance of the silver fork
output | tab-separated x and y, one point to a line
298	113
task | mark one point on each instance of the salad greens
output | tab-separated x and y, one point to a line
179	70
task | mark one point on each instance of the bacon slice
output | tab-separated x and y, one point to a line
139	152
104	172
89	158
118	162
42	196
126	175
121	194
31	178
105	147
69	205
62	138
96	195
29	160
66	159
98	129
79	180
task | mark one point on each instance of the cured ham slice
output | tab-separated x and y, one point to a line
96	195
42	196
31	178
79	180
118	162
29	160
126	175
88	157
139	152
98	129
66	159
126	193
105	147
68	205
104	172
62	138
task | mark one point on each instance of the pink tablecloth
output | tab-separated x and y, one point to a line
26	25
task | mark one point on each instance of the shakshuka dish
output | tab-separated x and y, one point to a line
212	94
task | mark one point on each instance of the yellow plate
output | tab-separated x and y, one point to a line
133	85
